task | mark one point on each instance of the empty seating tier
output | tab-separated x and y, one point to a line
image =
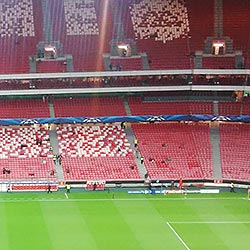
89	107
20	32
218	62
24	108
138	107
175	150
96	153
25	154
234	151
126	63
50	66
230	108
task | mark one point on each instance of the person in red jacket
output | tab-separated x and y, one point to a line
180	183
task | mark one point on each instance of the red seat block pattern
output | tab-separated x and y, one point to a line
23	156
96	153
29	108
78	107
234	151
138	107
173	151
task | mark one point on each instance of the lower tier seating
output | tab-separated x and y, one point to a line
234	151
96	153
100	168
27	169
175	150
25	154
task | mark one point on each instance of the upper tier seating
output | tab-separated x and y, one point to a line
25	152
20	32
24	108
11	13
50	66
161	29
127	63
96	153
234	151
236	21
173	151
169	31
138	107
78	107
84	29
218	62
80	17
201	21
163	20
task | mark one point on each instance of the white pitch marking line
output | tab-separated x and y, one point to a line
109	199
246	199
66	196
178	236
210	222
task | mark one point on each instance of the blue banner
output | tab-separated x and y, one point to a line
133	119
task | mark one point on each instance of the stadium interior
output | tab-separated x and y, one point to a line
124	91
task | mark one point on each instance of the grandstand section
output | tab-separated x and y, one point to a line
230	108
201	21
168	33
77	107
25	154
169	73
80	17
140	107
175	150
24	108
235	22
126	63
20	32
50	66
96	153
218	62
17	19
84	30
234	144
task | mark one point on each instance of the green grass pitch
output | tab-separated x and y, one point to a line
91	221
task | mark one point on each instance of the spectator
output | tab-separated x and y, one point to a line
68	187
123	125
180	183
54	159
151	159
142	159
6	171
49	189
135	143
23	145
8	188
111	66
232	187
59	158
